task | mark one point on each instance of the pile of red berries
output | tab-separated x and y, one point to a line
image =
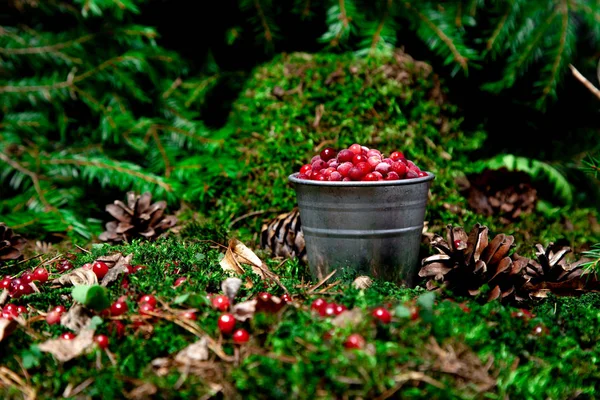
359	163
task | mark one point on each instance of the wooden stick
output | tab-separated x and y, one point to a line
585	82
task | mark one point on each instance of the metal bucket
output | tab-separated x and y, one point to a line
370	228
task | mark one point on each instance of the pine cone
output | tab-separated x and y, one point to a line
283	236
11	245
137	219
466	263
507	194
552	273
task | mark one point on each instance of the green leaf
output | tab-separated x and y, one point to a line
181	299
426	300
31	357
91	296
95	322
402	312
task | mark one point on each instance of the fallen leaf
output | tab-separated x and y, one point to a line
197	351
76	318
230	287
119	267
7	326
348	318
65	350
230	263
237	254
243	311
362	282
3	296
77	277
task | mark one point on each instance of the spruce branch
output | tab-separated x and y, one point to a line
263	21
32	175
377	35
589	85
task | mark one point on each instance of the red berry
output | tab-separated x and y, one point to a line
147	298
328	153
359	158
457	243
87	266
146	308
364	167
287	298
220	302
190	315
318	165
118	308
345	156
354	341
27	277
414	315
100	269
138	268
374	153
5	282
10	311
318	305
328	310
400	168
355	174
305	168
421	174
53	317
344	168
68	336
392	176
22	310
382	314
335	176
101	341
64	265
241	336
339	308
130	269
356	148
117	328
60	309
179	281
411	174
370	177
397	155
226	323
40	274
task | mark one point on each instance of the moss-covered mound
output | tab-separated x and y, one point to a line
432	348
297	104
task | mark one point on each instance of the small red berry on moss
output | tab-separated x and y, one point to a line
339	308
53	317
60	309
190	315
226	323
220	302
241	336
147	298
318	304
116	328
328	310
100	269
287	298
354	341
22	310
68	336
101	341
40	274
179	281
27	277
382	314
146	308
10	311
139	268
5	282
118	308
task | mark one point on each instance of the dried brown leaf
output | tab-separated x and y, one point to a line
119	267
348	318
195	352
362	282
78	276
230	287
65	350
77	318
7	326
245	310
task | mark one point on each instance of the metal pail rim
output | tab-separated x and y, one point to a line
400	182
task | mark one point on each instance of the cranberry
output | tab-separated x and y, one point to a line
328	310
139	268
370	177
315	158
364	149
53	317
374	153
374	161
414	315
356	148
226	323
100	269
190	315
397	155
125	283
410	174
64	265
327	171
147	298
411	165
421	174
22	310
345	168
101	341
382	314
5	282
355	174
130	269
10	311
382	168
305	168
318	305
354	341
146	308
27	277
359	158
241	336
319	177
327	154
179	281
40	274
345	156
335	176
117	328
399	168
392	176
339	308
364	167
118	308
68	336
287	298
457	243
220	302
318	165
87	266
60	309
